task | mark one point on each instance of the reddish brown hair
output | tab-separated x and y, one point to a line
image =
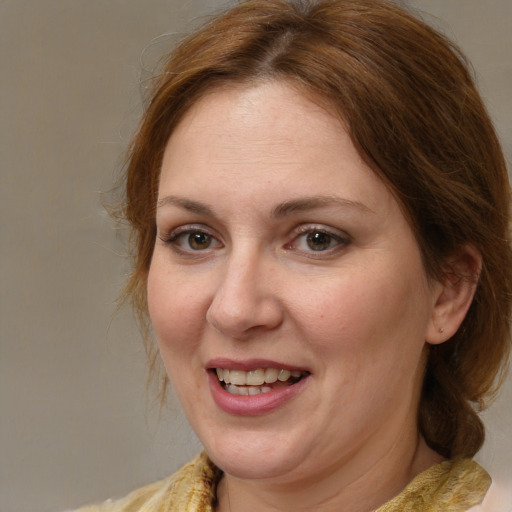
416	118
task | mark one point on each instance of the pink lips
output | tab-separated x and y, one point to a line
251	405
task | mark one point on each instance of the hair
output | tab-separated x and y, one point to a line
413	113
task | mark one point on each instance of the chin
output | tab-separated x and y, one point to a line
250	458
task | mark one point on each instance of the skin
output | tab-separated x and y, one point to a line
357	314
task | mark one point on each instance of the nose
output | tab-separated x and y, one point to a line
246	299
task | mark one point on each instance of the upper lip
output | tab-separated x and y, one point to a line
250	364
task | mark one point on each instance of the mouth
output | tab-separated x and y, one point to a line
258	381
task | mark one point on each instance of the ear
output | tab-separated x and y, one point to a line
454	294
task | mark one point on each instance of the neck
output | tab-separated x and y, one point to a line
355	486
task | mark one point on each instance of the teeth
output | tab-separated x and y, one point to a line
255	377
238	377
271	375
253	390
284	375
247	390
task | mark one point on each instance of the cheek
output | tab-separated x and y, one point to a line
175	308
362	313
175	314
366	332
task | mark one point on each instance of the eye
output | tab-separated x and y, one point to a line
198	241
318	240
189	239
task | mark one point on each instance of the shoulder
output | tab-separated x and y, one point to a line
452	486
190	489
498	498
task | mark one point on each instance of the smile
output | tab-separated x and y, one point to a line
255	382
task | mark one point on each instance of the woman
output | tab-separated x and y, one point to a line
320	207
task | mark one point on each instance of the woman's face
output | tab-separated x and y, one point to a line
280	255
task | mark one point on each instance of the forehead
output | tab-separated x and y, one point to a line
265	123
263	144
257	110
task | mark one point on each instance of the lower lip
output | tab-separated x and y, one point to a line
254	405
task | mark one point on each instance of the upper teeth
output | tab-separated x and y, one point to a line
255	377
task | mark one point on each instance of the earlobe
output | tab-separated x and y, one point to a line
454	295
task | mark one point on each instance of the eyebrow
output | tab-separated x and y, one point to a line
185	204
284	209
316	202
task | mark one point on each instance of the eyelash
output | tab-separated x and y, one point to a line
336	240
173	238
340	239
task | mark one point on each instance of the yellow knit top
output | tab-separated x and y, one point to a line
452	486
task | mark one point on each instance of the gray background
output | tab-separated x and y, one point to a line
76	423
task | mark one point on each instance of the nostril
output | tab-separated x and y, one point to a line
245	318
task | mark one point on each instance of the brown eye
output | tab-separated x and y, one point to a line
199	241
318	241
191	240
